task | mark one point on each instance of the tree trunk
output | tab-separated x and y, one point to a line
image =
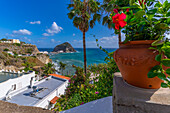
119	37
84	48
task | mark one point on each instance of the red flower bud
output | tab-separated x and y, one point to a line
127	10
141	2
115	10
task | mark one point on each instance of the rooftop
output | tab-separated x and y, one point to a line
24	98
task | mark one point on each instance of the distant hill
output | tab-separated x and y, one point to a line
17	54
64	48
19	48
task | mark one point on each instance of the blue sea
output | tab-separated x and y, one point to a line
94	56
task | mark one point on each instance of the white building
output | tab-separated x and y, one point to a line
10	52
25	91
11	41
15	41
43	52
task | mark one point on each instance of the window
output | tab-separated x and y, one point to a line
14	87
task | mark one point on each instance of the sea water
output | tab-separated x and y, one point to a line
94	56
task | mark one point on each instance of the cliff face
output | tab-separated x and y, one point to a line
64	48
19	49
43	58
8	60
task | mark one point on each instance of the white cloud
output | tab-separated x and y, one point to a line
35	22
22	32
25	39
54	41
46	34
74	34
105	42
110	42
54	29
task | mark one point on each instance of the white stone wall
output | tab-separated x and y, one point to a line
61	89
21	82
15	41
46	100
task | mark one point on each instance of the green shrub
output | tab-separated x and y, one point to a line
17	44
34	56
80	87
3	39
6	49
36	72
29	50
39	53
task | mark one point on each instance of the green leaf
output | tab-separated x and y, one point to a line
164	85
152	48
158	4
157	67
168	71
140	14
162	76
152	11
158	58
157	42
166	62
96	40
161	26
131	2
168	14
152	74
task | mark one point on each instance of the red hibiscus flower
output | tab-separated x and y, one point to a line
118	19
115	10
141	2
127	10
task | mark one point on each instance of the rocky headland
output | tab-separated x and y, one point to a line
63	48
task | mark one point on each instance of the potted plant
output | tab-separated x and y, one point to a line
143	57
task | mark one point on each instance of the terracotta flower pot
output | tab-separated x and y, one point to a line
134	61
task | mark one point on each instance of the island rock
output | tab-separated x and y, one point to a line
64	48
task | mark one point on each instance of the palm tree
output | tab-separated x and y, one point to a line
62	66
48	69
84	14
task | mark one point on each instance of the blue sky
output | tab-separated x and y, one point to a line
45	24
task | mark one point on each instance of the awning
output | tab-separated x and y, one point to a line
60	76
53	101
